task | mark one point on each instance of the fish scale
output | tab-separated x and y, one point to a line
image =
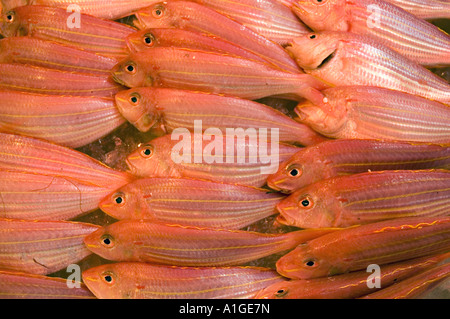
348	200
147	281
42	247
206	203
354	59
182	245
355	248
351	156
412	37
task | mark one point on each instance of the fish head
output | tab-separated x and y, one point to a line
129	72
322	15
142	40
161	15
279	290
326	118
10	24
139	106
151	159
305	208
124	203
103	243
302	263
110	281
299	171
314	50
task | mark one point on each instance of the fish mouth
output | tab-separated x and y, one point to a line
114	76
273	185
326	60
131	168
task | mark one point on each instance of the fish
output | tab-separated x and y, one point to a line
71	121
191	202
412	37
21	285
271	19
42	247
41	157
415	286
350	285
355	248
112	10
369	197
41	80
351	156
349	59
235	157
192	16
182	245
364	112
171	37
214	73
137	280
53	55
147	107
425	9
42	180
94	34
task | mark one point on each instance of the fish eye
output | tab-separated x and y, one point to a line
147	151
310	263
158	11
119	199
134	98
10	16
107	241
294	171
281	293
306	202
149	39
108	278
312	36
130	68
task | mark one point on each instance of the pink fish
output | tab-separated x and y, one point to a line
57	24
72	121
41	180
351	156
414	38
196	17
377	113
269	18
181	245
136	280
230	158
414	286
34	79
351	285
53	55
42	247
346	59
355	248
191	202
20	285
425	9
107	9
368	197
172	37
146	107
214	73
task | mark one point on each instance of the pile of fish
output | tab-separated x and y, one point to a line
334	184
